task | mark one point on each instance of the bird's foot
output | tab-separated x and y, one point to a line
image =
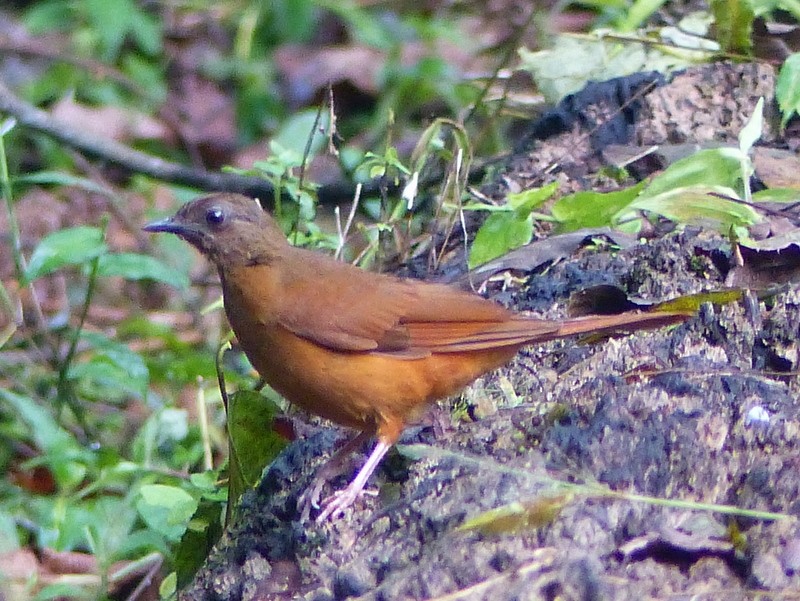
310	497
334	506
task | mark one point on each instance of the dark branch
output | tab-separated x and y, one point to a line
29	116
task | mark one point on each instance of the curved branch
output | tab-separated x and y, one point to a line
139	162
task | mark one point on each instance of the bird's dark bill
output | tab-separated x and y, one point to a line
164	225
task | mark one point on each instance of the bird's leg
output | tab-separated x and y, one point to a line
309	499
335	505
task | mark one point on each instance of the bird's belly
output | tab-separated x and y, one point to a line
359	389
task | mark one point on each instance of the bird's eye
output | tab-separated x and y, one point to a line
215	216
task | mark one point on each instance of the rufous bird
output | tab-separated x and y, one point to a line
365	350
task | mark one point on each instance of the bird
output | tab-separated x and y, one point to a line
365	350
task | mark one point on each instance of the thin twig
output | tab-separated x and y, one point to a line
343	232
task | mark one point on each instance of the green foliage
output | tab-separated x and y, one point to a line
734	20
573	61
68	461
252	440
112	372
592	209
787	88
508	226
117	20
134	266
202	532
705	188
295	198
498	234
119	498
71	246
166	509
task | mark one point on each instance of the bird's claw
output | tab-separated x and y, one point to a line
309	499
334	506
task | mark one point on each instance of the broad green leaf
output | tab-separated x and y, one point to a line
592	209
48	16
787	88
500	233
169	586
297	130
573	61
113	20
253	442
147	31
71	246
734	20
133	266
699	205
203	531
483	206
526	201
166	509
714	167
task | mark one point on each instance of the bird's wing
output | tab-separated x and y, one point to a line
348	309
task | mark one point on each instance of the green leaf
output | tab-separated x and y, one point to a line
734	20
751	131
526	201
699	205
202	533
60	590
574	61
166	509
787	88
45	17
252	440
169	586
592	209
500	233
71	246
296	131
715	167
112	20
133	266
147	32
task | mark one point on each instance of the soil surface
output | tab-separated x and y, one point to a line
573	431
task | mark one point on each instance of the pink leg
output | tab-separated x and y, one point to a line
335	505
333	467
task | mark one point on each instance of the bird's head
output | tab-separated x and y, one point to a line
230	229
